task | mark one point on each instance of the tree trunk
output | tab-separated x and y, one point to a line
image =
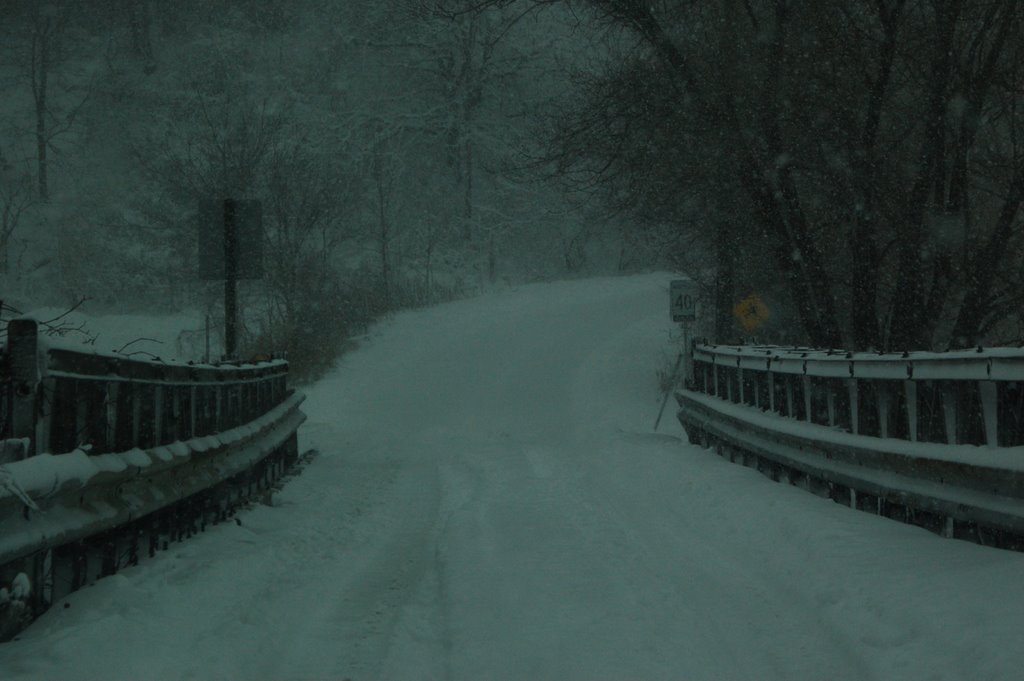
142	43
467	211
40	83
863	242
907	325
795	255
41	159
492	261
725	283
383	227
982	275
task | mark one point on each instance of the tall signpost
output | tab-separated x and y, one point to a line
230	278
682	298
230	248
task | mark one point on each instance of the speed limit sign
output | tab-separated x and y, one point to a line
683	300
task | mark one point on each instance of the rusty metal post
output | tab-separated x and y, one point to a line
789	397
110	406
988	392
808	405
23	347
851	386
192	414
230	279
910	394
136	394
949	412
882	404
158	415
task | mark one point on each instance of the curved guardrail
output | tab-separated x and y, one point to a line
933	439
106	458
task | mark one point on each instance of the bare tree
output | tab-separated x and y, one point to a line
847	136
16	197
44	36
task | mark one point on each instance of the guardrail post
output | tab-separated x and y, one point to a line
770	378
808	414
830	400
110	407
193	392
172	425
851	386
81	434
989	393
789	397
910	392
137	395
235	403
949	412
882	402
182	412
219	411
22	343
158	415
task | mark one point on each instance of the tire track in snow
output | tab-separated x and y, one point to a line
485	506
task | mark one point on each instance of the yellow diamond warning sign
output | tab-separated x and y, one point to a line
751	312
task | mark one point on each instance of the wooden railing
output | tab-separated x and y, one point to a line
936	436
107	457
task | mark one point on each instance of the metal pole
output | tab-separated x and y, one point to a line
672	385
687	356
230	278
27	422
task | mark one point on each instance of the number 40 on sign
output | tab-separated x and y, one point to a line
683	300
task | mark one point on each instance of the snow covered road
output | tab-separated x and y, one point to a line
490	503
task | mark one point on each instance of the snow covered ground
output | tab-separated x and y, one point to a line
181	336
490	503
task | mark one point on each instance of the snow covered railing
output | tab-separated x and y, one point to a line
965	397
64	397
934	438
106	457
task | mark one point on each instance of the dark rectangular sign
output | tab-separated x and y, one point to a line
248	237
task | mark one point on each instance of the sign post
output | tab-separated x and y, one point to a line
682	300
683	295
230	278
230	248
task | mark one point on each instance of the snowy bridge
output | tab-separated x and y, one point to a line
920	437
489	501
107	457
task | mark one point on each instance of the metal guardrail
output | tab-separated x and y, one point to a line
972	397
929	438
106	458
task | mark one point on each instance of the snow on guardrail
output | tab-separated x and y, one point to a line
105	457
936	439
